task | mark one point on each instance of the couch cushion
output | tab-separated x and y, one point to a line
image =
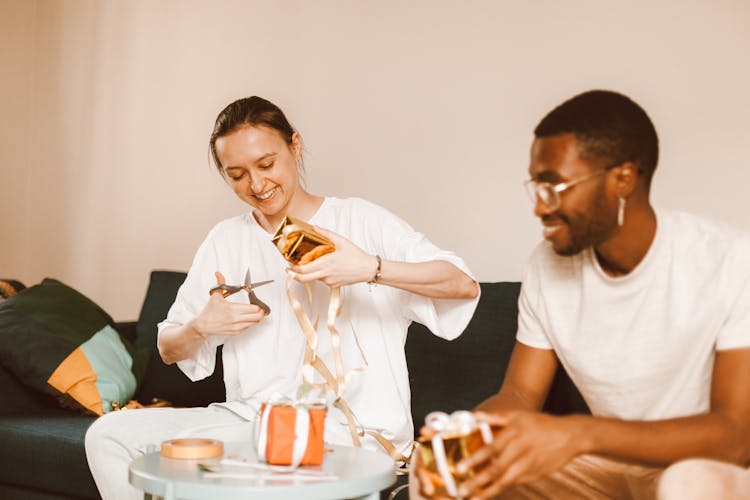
56	340
10	492
459	374
45	451
167	381
18	398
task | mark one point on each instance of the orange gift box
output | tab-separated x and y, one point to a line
291	435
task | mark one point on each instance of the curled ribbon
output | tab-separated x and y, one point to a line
313	362
289	229
338	383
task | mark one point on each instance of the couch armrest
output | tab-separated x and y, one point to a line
167	381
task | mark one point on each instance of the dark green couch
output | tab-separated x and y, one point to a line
42	450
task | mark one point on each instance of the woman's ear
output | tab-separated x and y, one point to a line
296	146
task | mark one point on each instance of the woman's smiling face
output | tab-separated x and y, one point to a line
261	168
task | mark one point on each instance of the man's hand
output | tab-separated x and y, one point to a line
529	445
347	265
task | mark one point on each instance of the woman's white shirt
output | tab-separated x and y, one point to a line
267	359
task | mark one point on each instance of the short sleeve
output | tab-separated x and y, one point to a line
735	332
191	298
530	328
446	318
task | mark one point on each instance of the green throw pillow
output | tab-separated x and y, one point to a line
57	341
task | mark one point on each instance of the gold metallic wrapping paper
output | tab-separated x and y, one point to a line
299	243
456	436
457	447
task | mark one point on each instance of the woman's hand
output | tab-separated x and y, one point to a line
528	446
347	265
221	317
218	317
350	264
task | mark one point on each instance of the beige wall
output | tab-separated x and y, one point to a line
425	107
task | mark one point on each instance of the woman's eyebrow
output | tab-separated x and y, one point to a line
265	156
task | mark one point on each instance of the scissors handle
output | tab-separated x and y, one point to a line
226	290
255	300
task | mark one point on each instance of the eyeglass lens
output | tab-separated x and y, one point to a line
544	192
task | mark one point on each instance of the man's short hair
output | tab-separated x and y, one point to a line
610	129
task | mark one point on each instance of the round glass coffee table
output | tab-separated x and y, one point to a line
360	474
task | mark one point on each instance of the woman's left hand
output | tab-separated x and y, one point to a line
347	265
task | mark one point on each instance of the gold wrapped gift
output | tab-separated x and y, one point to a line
299	243
455	437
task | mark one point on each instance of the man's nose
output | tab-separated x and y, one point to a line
541	209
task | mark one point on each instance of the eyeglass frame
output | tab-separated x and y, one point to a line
533	187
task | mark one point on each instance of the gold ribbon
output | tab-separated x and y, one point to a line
334	309
336	384
311	359
291	228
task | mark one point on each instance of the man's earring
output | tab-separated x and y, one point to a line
621	211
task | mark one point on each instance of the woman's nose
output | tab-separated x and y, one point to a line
256	183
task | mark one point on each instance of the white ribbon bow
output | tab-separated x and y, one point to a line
458	423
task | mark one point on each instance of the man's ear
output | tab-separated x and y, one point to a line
626	178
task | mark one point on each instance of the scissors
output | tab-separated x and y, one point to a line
227	290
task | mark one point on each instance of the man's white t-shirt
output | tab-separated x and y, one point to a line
642	346
267	359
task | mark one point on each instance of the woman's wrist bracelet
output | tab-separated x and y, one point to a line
376	276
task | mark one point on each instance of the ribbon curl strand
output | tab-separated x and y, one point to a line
338	383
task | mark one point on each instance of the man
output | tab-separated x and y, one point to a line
647	310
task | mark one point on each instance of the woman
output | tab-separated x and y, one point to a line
260	155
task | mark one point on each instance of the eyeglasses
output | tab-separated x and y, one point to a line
549	194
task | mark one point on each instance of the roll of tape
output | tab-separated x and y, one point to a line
192	448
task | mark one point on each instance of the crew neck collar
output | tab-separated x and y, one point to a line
250	217
639	268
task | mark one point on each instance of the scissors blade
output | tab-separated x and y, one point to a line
258	284
249	285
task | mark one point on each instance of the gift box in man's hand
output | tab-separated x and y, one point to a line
453	438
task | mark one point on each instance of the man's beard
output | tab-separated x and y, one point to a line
600	226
